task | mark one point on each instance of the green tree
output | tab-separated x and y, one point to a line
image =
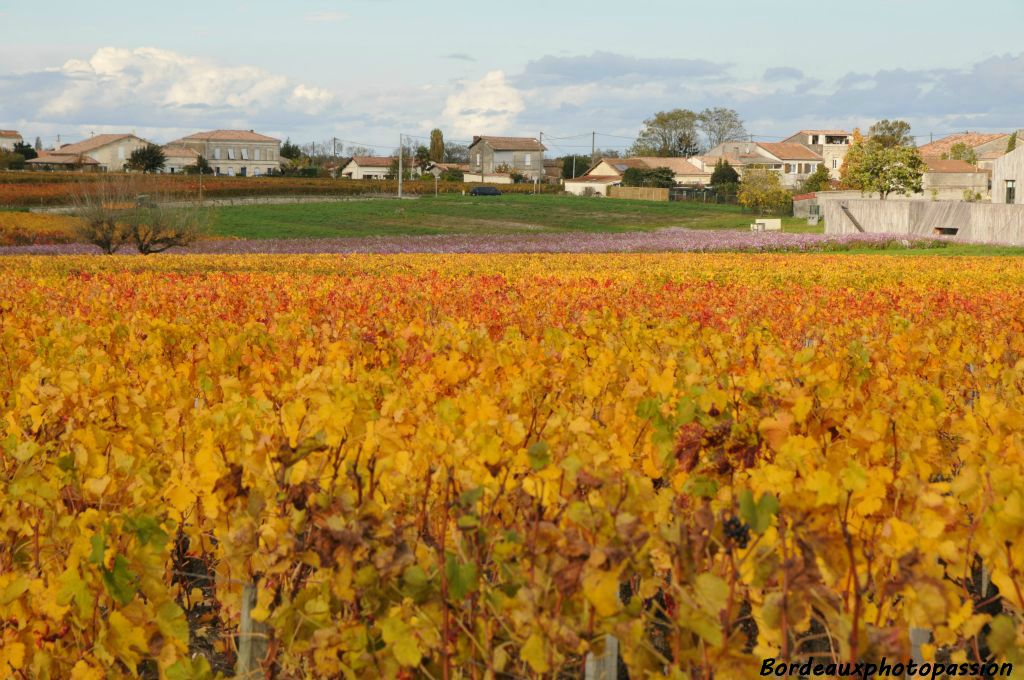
26	151
890	133
888	170
149	158
724	174
290	150
453	175
662	178
720	125
575	166
1012	144
819	180
761	190
11	161
668	133
961	152
421	157
200	166
436	145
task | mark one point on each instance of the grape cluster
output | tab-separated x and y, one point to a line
737	531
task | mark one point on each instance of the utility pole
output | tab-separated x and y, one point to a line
334	143
401	152
540	158
593	147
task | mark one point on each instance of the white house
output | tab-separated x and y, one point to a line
109	151
793	162
179	158
367	167
8	138
242	153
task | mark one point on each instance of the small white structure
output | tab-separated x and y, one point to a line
178	158
592	185
487	178
367	167
766	225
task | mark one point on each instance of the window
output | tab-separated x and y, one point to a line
120	153
1011	191
835	163
527	160
788	168
256	171
814	210
245	154
255	154
217	169
216	156
478	159
231	153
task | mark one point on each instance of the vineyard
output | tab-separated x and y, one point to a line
33	189
483	466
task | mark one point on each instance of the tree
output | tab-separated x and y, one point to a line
819	180
762	191
11	161
290	151
961	152
848	171
201	166
606	153
154	229
575	166
662	178
1012	144
720	125
357	150
149	158
456	153
453	175
421	157
100	209
26	151
724	174
889	170
38	145
668	133
436	145
889	133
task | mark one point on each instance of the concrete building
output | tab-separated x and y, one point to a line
242	153
179	158
8	138
952	180
490	155
975	222
1008	177
831	145
109	151
366	167
793	162
987	147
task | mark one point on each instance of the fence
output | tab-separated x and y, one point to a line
639	193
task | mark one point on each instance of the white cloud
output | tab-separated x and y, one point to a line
487	106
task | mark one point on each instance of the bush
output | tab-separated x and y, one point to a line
154	229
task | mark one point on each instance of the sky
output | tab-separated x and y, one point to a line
366	71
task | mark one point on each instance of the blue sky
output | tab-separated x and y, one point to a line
366	70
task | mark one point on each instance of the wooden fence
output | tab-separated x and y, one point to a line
639	193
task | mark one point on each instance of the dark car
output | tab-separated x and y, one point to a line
484	191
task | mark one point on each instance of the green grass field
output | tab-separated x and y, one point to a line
485	215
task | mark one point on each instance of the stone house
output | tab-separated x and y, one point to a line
608	172
1008	177
793	162
242	153
953	180
107	153
831	145
987	147
178	158
491	155
366	167
8	138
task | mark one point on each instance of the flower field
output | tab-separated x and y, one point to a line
480	466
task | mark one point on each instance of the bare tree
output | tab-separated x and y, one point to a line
154	228
100	208
720	125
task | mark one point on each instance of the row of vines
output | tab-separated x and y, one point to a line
482	466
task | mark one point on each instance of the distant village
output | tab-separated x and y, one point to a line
967	166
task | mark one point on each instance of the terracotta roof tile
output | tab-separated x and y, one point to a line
509	143
94	142
10	134
228	136
180	152
51	158
971	139
372	161
942	165
789	152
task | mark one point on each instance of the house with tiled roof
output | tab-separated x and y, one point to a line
953	180
366	167
242	153
831	145
794	162
498	155
608	172
55	160
177	158
987	147
107	152
8	138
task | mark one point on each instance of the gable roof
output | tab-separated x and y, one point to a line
509	143
971	139
371	161
60	158
10	134
789	152
93	143
822	132
228	136
947	165
679	166
171	151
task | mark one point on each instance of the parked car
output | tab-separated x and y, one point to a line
484	191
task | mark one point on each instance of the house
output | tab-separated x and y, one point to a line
609	172
8	138
242	153
178	158
831	145
987	147
367	167
953	180
500	155
53	160
109	151
794	162
1008	177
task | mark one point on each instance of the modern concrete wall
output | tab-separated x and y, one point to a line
1009	167
982	222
